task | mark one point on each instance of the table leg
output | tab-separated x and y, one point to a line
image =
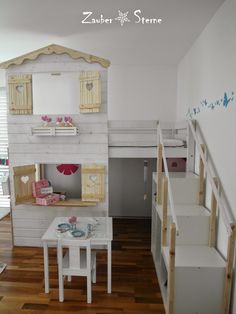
109	267
46	272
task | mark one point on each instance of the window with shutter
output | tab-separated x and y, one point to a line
4	170
20	94
90	92
93	183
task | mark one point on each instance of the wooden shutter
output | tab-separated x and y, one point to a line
20	94
90	91
23	178
93	183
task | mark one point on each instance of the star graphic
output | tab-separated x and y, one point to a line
122	17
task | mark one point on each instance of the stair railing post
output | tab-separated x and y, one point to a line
229	269
171	271
212	225
201	188
191	147
159	174
164	212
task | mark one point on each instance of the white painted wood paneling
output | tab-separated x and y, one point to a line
24	232
67	148
65	65
48	213
89	146
77	118
81	138
21	159
39	218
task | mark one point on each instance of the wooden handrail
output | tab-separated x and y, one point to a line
170	195
224	212
159	173
171	270
212	225
164	212
229	269
201	188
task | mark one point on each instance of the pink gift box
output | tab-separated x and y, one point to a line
37	185
48	199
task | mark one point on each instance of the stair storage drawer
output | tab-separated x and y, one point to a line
199	280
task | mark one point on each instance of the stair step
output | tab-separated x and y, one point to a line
193	221
195	256
187	210
184	187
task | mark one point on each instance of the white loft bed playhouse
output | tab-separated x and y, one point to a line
57	82
132	160
64	153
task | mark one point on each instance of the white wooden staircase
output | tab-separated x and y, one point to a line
194	278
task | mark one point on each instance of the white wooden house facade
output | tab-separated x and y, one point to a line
48	82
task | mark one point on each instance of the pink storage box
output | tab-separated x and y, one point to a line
176	164
37	185
48	199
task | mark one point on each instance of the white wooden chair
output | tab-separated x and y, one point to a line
78	261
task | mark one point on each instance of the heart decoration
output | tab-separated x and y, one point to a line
93	178
89	86
20	89
24	179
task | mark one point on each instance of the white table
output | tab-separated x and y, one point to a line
101	236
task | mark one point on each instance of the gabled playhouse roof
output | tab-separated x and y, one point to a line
48	50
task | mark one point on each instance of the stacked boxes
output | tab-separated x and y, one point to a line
43	193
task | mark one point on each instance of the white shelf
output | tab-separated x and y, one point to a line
195	256
177	175
199	269
55	131
185	210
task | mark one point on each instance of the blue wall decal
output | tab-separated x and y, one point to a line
204	105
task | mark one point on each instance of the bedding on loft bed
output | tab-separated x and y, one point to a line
143	134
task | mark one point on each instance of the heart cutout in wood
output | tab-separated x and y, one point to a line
89	86
24	179
20	88
93	178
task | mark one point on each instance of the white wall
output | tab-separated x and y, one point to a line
206	72
138	92
142	92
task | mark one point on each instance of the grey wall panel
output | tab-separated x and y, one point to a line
71	184
126	187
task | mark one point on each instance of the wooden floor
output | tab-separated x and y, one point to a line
135	288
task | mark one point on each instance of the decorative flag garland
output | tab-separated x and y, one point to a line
67	169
